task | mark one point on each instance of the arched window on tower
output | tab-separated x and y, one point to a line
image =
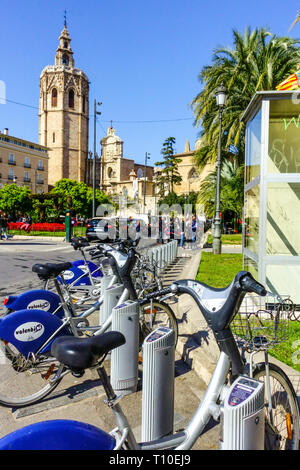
193	174
83	104
54	97
65	59
71	99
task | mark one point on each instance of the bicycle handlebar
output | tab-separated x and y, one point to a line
249	284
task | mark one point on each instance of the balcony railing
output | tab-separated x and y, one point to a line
27	179
27	165
11	162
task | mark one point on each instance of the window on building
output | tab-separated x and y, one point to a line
11	174
40	165
40	179
26	176
83	104
66	45
53	137
65	59
54	97
27	162
11	159
71	99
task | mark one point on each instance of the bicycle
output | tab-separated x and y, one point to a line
83	278
80	354
28	372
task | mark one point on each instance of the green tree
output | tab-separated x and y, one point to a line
172	199
15	199
231	189
170	175
257	61
78	196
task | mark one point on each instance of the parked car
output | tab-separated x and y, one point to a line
102	229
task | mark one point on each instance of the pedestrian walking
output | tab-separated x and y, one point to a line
4	224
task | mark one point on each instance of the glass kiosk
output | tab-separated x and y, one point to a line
271	235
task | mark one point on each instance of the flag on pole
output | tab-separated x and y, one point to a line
291	83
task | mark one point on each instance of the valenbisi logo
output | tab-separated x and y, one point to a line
68	275
39	304
29	331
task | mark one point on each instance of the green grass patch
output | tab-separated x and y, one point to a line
289	351
235	239
219	270
77	232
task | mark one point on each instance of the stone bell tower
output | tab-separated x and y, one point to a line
64	114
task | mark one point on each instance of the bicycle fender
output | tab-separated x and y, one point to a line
92	266
28	330
36	299
79	271
58	435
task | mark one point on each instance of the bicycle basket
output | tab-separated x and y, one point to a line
262	322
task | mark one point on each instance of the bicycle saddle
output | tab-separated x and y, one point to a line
81	353
45	271
79	242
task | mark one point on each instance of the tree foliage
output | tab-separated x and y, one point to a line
173	199
170	175
231	189
15	199
78	196
257	61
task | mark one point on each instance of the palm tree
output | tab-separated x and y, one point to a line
257	61
232	192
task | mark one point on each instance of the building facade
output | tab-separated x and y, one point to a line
64	114
119	176
191	176
23	163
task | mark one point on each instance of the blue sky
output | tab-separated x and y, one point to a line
142	59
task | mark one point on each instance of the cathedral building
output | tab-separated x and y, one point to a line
64	114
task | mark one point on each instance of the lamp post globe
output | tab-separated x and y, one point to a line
221	96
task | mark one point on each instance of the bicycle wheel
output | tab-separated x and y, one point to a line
25	381
283	433
78	294
155	314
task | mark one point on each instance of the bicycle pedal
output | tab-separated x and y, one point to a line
49	372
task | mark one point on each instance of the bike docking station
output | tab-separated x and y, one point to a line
124	360
243	411
111	297
158	384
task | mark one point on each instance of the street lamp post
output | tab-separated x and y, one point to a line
94	159
221	95
145	176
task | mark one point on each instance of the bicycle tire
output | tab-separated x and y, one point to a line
21	384
155	314
285	409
